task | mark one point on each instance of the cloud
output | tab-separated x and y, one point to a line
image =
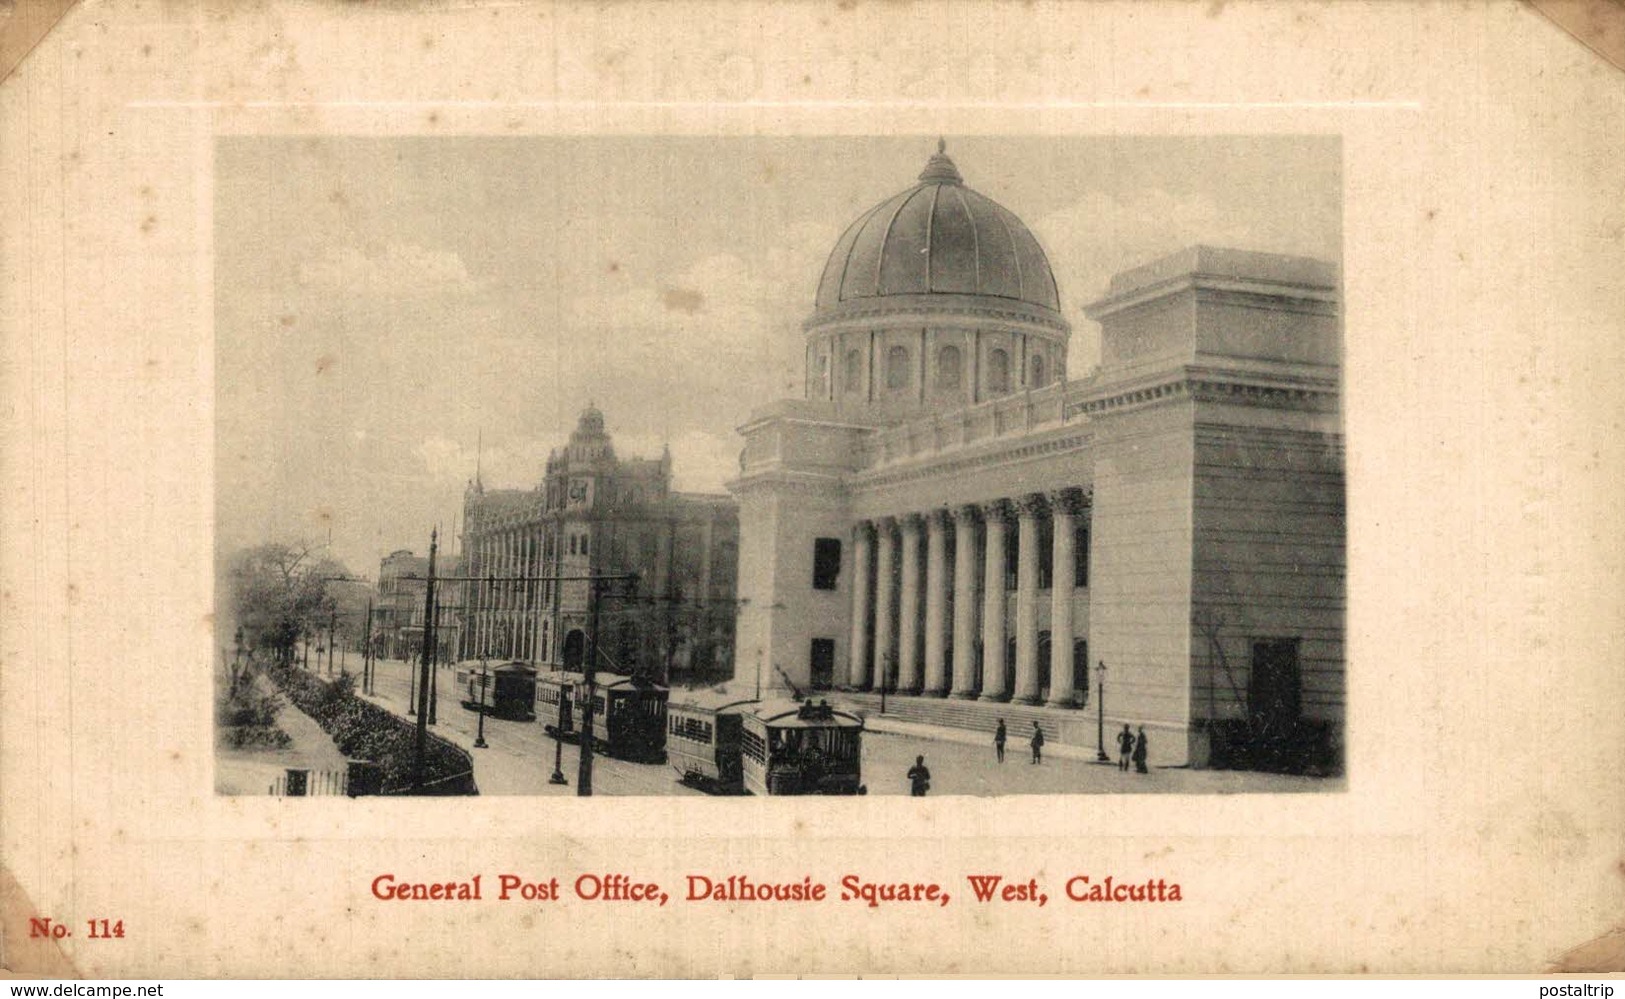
721	329
396	270
1101	234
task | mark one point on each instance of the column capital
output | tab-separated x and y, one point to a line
1070	501
999	509
1032	505
911	521
938	517
863	530
966	513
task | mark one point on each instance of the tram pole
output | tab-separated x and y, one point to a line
589	672
366	652
485	678
431	639
418	760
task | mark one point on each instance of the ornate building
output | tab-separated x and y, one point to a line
947	514
596	514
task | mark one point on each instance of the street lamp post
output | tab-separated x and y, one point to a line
558	743
485	678
1100	713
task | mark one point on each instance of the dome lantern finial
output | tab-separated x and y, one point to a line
940	169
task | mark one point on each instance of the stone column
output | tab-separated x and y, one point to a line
996	517
1027	514
964	681
857	674
908	608
1065	506
885	657
936	603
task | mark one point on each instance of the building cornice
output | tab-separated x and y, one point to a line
1013	452
1250	287
938	310
1281	390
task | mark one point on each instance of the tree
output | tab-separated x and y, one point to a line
280	592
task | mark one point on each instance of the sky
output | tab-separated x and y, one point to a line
391	312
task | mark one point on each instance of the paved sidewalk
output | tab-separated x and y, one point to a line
253	771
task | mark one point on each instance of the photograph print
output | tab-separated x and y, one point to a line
741	466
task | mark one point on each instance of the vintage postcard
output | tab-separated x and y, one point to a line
581	472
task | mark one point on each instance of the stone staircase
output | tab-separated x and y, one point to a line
1074	727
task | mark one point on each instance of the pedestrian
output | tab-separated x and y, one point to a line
1038	744
919	778
1139	752
998	741
1125	747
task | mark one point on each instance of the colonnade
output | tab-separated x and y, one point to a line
504	620
903	603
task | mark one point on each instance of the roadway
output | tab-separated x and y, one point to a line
519	760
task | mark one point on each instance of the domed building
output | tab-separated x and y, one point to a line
949	516
937	296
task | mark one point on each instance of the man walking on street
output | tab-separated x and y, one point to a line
1140	753
919	778
1125	747
1038	744
998	741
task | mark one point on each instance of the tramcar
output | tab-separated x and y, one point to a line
702	739
509	690
806	748
628	716
555	703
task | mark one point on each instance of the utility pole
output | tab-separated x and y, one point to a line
589	668
366	653
434	673
332	622
423	683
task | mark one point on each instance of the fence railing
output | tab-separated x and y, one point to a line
301	783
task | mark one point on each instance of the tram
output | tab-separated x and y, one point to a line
800	748
509	690
702	739
628	716
555	703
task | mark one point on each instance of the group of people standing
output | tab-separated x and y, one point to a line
1131	749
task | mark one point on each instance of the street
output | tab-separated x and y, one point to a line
519	760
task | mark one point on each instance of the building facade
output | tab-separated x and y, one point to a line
595	514
399	607
945	513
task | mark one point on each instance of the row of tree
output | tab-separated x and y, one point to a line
281	594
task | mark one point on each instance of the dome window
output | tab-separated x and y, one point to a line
897	368
998	371
854	371
949	367
1039	374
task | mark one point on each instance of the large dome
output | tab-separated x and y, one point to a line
938	237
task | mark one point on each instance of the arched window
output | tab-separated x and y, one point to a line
823	375
574	649
998	370
1038	373
948	368
854	371
897	368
